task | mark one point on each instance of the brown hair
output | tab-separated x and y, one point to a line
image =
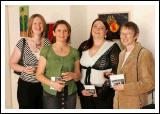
68	28
89	43
30	22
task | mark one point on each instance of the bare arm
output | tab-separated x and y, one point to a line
13	61
77	71
58	85
40	71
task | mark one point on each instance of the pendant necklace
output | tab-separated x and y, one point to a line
54	46
38	45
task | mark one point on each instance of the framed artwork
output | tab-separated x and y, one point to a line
24	13
114	20
49	32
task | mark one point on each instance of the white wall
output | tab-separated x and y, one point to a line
78	23
145	18
51	13
13	38
8	97
80	18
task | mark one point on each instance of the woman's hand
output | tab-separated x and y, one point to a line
86	93
107	74
118	87
30	70
58	85
67	76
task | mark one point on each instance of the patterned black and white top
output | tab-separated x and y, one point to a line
29	59
105	58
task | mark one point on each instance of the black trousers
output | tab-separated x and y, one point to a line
29	95
103	101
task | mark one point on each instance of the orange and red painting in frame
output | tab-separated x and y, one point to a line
114	20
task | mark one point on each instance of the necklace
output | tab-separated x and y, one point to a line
54	46
61	48
38	46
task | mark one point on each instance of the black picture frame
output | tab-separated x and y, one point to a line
114	20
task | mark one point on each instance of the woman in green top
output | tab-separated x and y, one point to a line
58	69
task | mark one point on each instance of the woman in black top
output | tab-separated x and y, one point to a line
97	55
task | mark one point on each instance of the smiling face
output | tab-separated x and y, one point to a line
98	30
61	33
127	36
37	26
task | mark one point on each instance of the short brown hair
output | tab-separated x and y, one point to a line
68	28
30	22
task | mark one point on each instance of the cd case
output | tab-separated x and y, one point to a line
116	79
58	78
90	88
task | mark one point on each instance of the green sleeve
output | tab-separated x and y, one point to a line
44	51
76	55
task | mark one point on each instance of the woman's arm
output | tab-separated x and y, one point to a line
77	71
40	71
58	85
73	75
14	59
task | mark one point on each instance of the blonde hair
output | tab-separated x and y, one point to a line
30	22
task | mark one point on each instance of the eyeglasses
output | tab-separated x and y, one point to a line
126	34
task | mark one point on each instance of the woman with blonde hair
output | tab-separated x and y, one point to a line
29	93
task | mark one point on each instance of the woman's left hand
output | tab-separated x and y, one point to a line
118	87
67	76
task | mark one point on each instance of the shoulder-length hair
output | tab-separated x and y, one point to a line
30	23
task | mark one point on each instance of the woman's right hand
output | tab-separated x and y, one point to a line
29	70
107	74
86	93
58	85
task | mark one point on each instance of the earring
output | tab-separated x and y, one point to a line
105	36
